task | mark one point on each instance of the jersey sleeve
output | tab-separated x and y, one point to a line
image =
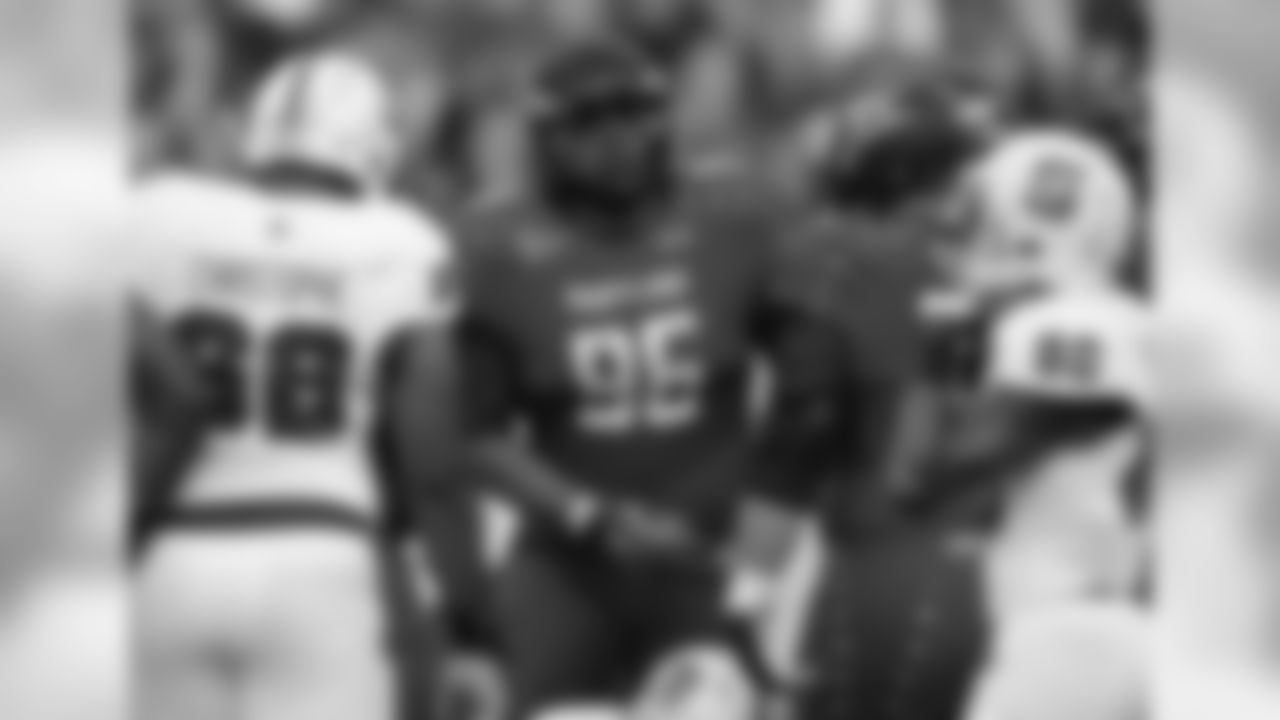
1071	352
491	373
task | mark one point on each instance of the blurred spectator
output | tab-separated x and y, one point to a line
205	56
749	71
56	66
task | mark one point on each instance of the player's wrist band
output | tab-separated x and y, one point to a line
581	514
746	592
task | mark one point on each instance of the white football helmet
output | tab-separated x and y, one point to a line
1049	208
698	682
289	15
329	110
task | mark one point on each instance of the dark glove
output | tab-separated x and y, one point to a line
631	531
472	687
473	627
640	532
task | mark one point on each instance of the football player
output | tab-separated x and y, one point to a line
886	623
611	338
287	312
1044	444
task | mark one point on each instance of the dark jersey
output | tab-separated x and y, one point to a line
866	277
629	362
869	275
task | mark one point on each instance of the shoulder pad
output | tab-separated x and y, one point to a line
181	193
411	231
428	255
1073	347
165	216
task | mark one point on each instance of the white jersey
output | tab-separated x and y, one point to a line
1067	532
287	304
1073	345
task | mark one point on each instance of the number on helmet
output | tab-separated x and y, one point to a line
1055	189
1073	358
1062	204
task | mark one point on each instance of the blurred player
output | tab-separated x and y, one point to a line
1052	342
612	335
889	624
307	307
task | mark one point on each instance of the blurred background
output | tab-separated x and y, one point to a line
750	72
752	67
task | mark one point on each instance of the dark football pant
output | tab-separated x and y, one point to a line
578	627
898	633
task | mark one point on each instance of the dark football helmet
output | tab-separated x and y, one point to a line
602	139
890	145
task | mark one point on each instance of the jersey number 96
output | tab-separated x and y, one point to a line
304	374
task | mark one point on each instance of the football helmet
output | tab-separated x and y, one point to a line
290	16
888	146
1045	208
602	140
328	111
697	682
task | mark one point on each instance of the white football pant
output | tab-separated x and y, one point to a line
278	625
1090	661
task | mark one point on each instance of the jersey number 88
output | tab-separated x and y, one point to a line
306	367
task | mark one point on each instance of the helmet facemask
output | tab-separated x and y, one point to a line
602	134
615	164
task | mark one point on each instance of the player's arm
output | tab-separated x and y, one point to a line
421	399
497	406
805	420
493	412
428	447
809	417
167	411
495	391
808	413
166	396
543	492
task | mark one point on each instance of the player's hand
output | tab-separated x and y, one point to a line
636	531
471	687
631	530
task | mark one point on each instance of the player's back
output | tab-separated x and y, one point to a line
1100	329
287	304
1067	528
